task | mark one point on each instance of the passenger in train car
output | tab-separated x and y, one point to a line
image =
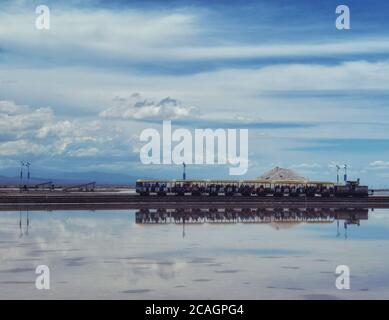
181	189
249	190
277	190
212	190
244	190
195	190
177	189
310	191
228	190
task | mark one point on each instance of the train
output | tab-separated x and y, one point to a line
250	188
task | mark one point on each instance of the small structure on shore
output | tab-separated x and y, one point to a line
278	173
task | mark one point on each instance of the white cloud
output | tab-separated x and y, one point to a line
10	108
18	121
5	163
225	90
14	148
138	108
98	34
134	35
379	164
279	50
84	152
33	131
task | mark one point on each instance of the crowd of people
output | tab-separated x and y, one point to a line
214	189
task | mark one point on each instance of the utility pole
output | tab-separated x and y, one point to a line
21	172
345	173
184	173
28	172
337	173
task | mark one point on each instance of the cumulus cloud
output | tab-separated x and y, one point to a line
84	152
14	148
19	121
138	108
379	164
34	131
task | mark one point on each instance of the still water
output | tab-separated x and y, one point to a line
216	254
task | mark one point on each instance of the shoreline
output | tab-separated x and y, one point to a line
116	200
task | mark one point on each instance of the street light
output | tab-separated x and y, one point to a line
21	172
345	173
22	165
337	173
28	164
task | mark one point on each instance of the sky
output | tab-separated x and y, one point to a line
76	97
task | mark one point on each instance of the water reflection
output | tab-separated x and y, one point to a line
279	218
260	252
23	229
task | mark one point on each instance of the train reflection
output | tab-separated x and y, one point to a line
250	215
279	218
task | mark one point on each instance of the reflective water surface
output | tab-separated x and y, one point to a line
193	253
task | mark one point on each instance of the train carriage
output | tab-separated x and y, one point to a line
250	188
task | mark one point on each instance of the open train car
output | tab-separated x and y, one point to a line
248	188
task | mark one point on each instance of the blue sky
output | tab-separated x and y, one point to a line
312	96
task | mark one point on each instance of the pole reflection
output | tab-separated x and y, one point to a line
23	231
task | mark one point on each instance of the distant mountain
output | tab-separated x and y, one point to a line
8	180
66	178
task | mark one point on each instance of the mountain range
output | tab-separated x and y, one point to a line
66	178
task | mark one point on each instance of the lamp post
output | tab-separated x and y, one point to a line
345	173
21	172
337	173
28	172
